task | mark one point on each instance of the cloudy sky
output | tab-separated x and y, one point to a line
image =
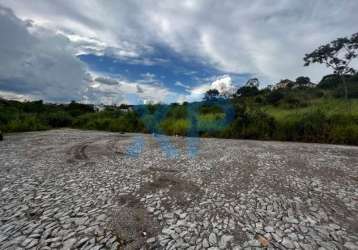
135	51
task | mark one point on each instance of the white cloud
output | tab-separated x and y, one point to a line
124	91
180	84
223	84
266	38
14	96
36	62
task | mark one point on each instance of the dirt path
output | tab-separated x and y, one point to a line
70	189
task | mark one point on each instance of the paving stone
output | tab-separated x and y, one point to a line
60	187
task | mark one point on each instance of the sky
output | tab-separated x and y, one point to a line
140	51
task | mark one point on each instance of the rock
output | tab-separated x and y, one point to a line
68	244
151	240
115	246
101	217
205	243
167	231
225	239
168	216
26	242
254	243
292	220
303	229
306	246
212	239
206	224
276	237
81	242
269	229
32	244
287	243
351	246
182	216
334	226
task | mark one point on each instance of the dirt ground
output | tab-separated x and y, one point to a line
72	189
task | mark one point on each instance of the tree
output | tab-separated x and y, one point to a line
336	55
302	80
253	82
211	95
247	91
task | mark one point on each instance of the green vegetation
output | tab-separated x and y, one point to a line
308	114
294	113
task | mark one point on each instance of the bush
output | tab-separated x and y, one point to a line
329	82
312	126
247	91
59	119
121	124
347	134
210	124
274	97
251	125
352	90
26	123
175	127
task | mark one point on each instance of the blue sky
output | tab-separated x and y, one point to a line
164	68
139	51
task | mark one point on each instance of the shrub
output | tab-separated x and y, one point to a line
175	127
120	124
59	119
274	97
26	123
311	126
247	91
347	134
251	125
210	124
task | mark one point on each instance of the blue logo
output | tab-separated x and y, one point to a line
152	118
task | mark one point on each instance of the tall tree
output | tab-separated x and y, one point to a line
338	56
253	82
303	80
211	95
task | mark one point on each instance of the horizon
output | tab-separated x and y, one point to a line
135	52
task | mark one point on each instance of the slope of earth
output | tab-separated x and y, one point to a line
70	189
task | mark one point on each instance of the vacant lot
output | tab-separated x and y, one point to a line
70	189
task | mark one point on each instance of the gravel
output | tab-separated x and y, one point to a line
67	189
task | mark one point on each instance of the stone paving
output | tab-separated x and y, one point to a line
70	189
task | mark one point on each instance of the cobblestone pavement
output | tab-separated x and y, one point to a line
69	189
